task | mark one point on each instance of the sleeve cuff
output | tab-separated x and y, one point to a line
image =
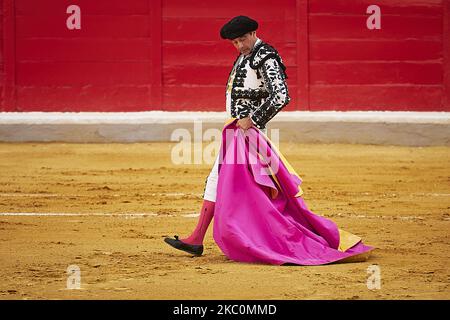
255	122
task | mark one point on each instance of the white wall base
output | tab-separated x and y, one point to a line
365	127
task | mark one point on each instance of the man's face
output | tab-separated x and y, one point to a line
245	43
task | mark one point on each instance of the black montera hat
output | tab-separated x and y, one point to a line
237	27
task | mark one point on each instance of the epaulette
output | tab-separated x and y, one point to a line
261	53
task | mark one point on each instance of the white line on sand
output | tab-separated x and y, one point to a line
186	215
96	214
191	215
44	195
362	216
63	214
179	194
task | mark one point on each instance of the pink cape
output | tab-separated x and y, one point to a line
260	216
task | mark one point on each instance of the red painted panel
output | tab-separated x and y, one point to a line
97	7
195	75
211	53
175	98
375	73
9	63
82	73
392	27
198	53
92	26
2	75
1	46
187	30
303	51
258	9
397	7
446	56
1	35
167	54
382	97
83	50
382	50
155	68
70	98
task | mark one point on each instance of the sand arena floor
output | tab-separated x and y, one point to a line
107	207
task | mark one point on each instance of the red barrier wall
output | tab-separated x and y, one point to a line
142	55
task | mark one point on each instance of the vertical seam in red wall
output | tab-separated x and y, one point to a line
446	56
9	61
302	55
156	54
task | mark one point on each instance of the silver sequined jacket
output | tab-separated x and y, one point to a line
259	88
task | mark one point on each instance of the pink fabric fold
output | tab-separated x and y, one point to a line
259	217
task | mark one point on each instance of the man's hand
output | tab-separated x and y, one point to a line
245	123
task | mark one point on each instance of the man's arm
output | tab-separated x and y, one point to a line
278	93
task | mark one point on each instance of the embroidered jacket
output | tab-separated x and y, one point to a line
259	88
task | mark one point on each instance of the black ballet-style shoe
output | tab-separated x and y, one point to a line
196	250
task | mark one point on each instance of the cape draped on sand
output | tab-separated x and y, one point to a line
260	216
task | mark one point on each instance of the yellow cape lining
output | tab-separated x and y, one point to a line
347	240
